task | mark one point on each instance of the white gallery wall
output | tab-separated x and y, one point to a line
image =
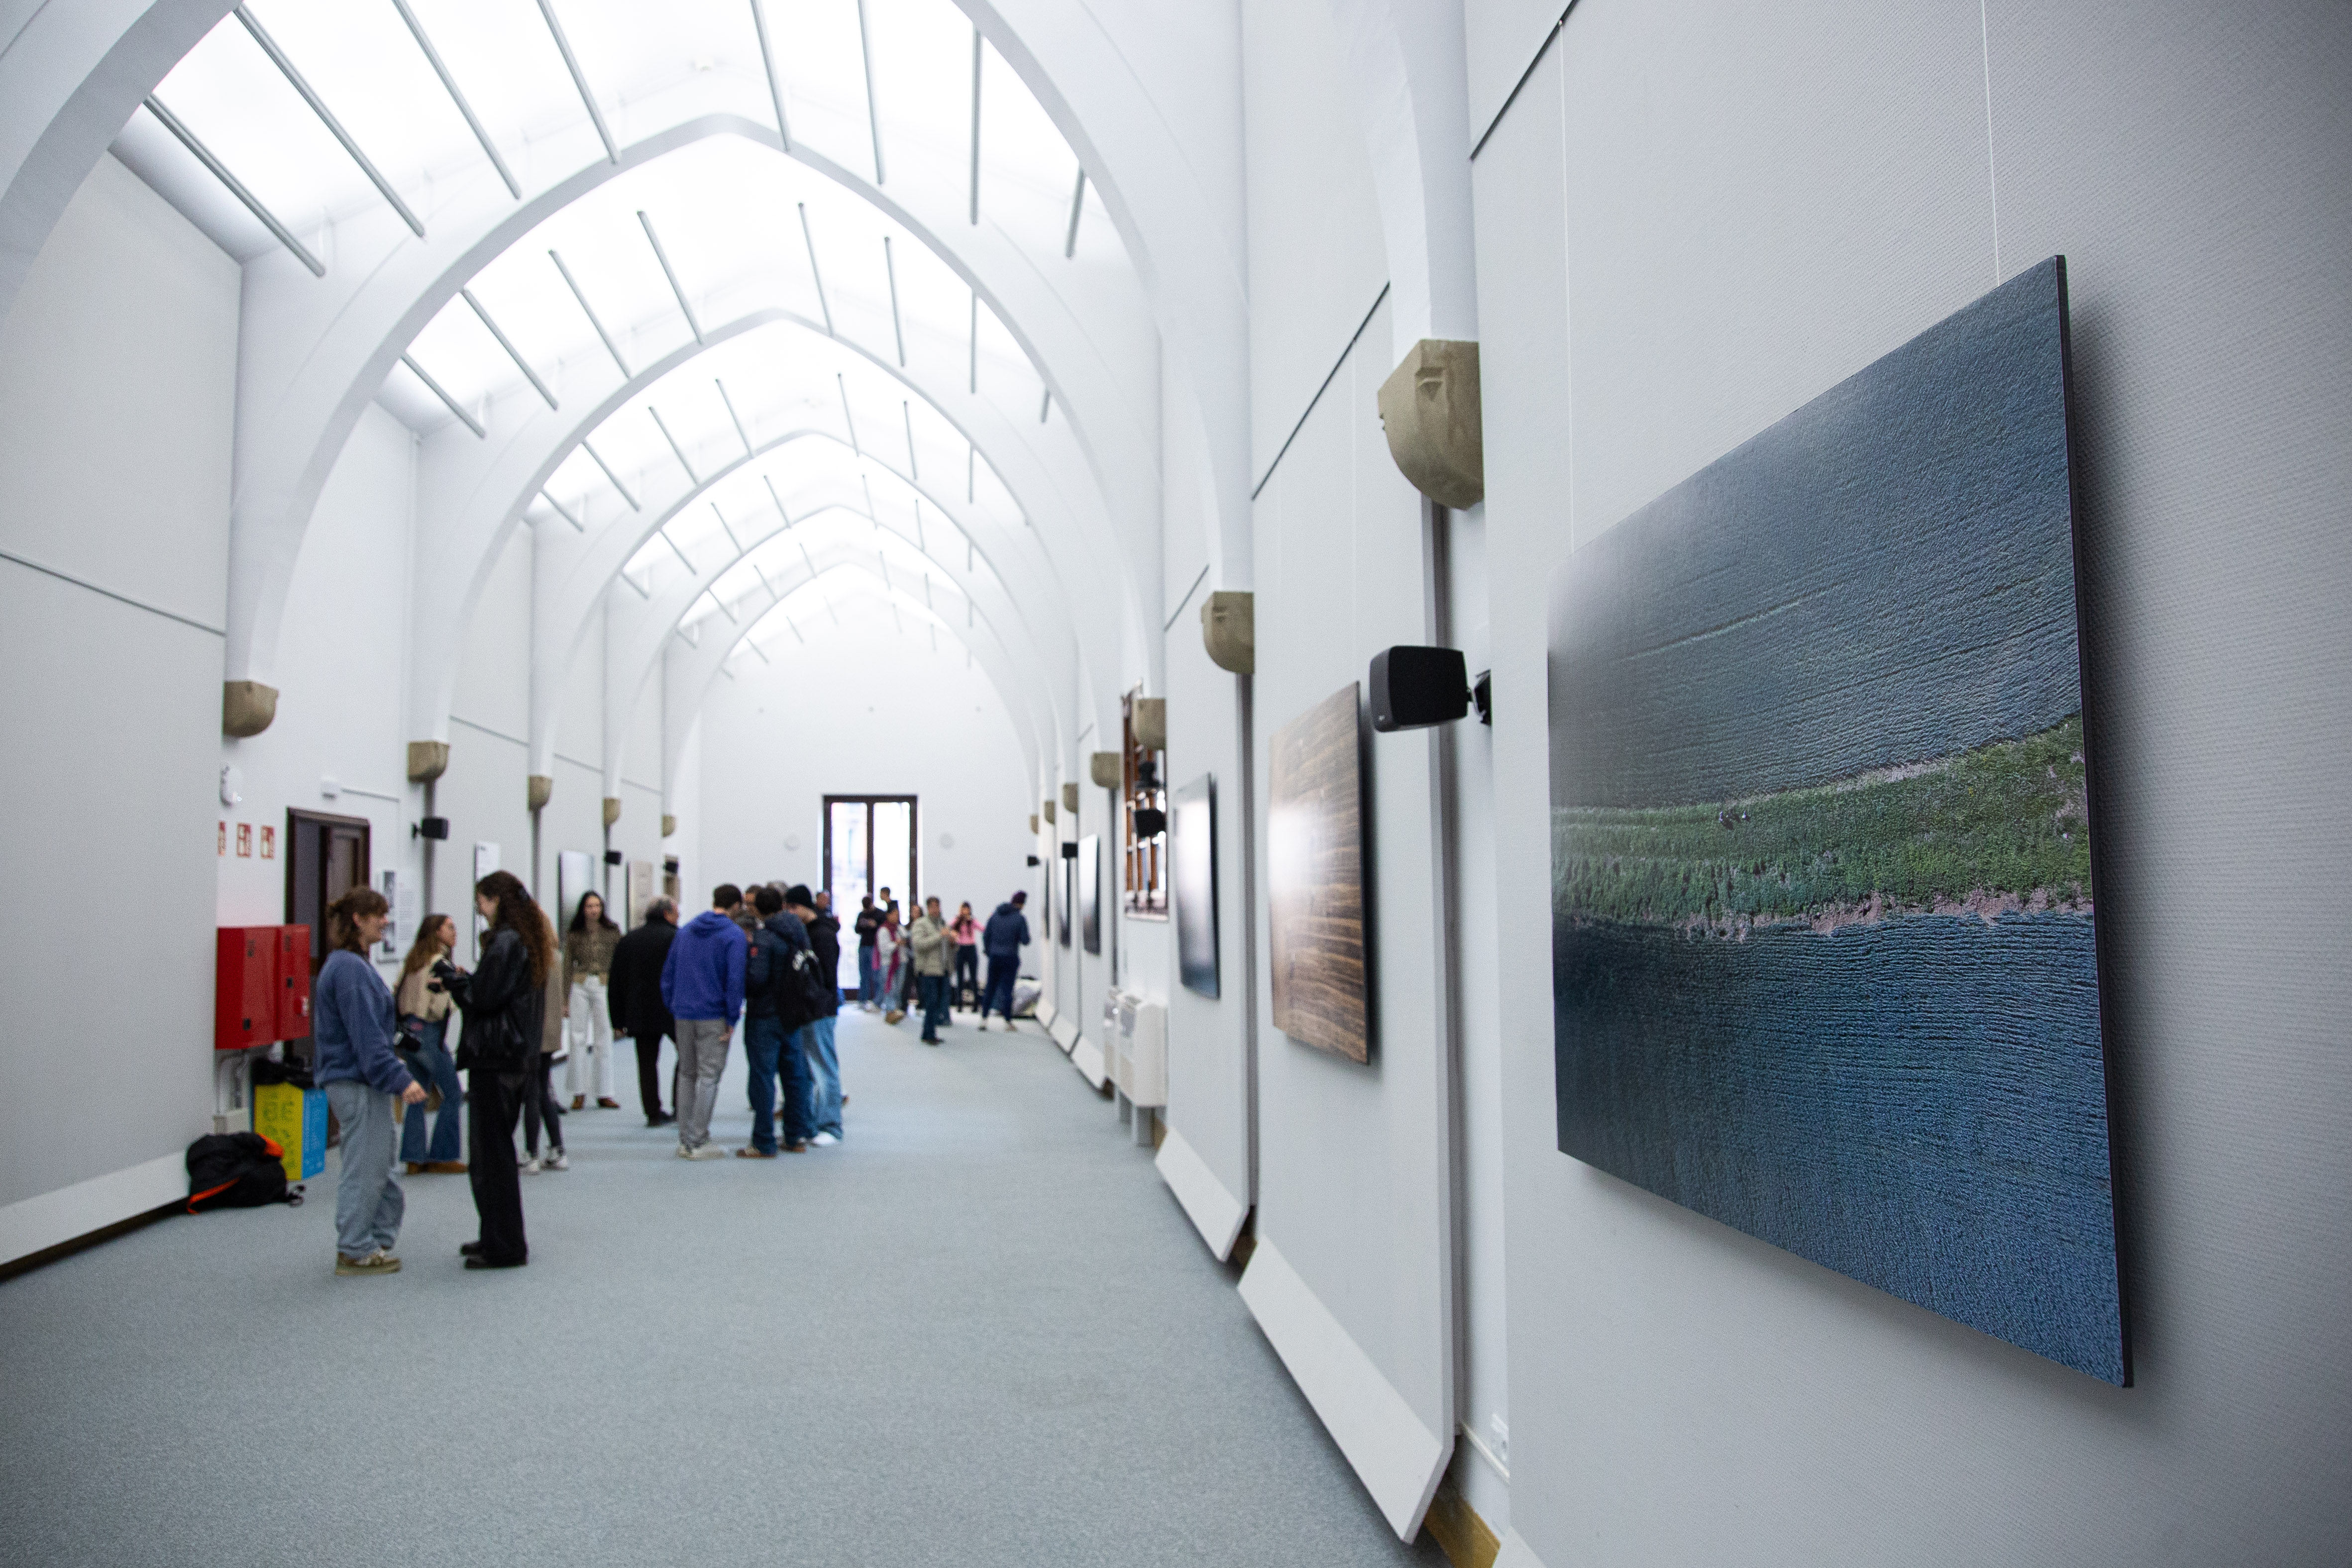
1693	219
117	367
861	708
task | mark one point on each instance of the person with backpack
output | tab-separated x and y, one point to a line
702	986
1007	933
816	1037
778	978
352	1031
504	1001
934	953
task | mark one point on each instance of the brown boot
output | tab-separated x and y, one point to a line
447	1167
606	1102
579	1102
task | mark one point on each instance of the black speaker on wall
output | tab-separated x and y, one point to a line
1413	688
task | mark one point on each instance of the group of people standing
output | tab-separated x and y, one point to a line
534	1001
933	961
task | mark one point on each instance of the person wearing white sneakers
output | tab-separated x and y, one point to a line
352	1031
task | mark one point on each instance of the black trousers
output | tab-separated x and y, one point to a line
967	975
492	1104
649	1075
540	1108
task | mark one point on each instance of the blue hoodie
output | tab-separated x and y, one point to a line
703	976
1007	932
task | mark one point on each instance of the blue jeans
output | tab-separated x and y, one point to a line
869	975
367	1200
825	1069
998	997
934	989
772	1052
449	1122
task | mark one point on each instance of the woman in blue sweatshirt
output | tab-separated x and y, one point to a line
351	1032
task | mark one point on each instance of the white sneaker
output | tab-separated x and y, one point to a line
556	1162
824	1140
684	1153
707	1152
530	1166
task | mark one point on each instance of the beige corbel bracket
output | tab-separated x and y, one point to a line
1429	407
1229	631
247	708
538	789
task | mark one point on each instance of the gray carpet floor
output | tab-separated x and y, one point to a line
978	1331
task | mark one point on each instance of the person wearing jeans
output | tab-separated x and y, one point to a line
422	1005
1007	933
934	951
815	1039
351	1034
966	932
869	968
773	1007
702	986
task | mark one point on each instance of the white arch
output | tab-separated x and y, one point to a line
313	355
638	632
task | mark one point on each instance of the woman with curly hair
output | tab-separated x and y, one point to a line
505	1002
352	1031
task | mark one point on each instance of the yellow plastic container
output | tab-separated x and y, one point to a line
296	1121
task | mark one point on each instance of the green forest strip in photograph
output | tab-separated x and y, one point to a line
2003	826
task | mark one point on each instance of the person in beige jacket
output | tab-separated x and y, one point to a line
588	946
934	946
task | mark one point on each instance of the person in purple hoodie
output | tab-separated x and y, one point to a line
702	986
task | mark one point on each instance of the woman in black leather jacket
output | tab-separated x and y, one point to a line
504	1001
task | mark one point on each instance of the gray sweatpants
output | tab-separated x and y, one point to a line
367	1200
701	1059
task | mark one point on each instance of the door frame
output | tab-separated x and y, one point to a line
914	839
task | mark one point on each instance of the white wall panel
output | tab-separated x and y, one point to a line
862	711
1317	260
118	379
1696	219
1354	1160
116	369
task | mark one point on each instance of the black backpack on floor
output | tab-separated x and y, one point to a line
237	1170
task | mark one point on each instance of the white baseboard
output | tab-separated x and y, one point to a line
1087	1058
1399	1459
35	1224
1064	1033
1043	1012
1516	1554
1217	1213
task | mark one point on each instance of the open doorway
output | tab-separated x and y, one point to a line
869	844
326	857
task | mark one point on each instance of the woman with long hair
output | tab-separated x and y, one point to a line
587	970
353	1059
505	1003
422	1003
891	959
966	932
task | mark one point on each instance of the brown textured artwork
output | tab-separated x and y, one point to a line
1316	833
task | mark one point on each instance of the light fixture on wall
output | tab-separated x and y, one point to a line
435	828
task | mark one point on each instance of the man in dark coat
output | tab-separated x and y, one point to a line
635	999
1006	933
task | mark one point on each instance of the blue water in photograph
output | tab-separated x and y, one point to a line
1824	943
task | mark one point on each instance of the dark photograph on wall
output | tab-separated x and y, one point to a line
1067	874
1824	956
1192	863
1090	875
1314	879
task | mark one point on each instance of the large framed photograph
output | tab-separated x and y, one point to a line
1193	859
1090	875
1066	873
1824	959
1314	879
